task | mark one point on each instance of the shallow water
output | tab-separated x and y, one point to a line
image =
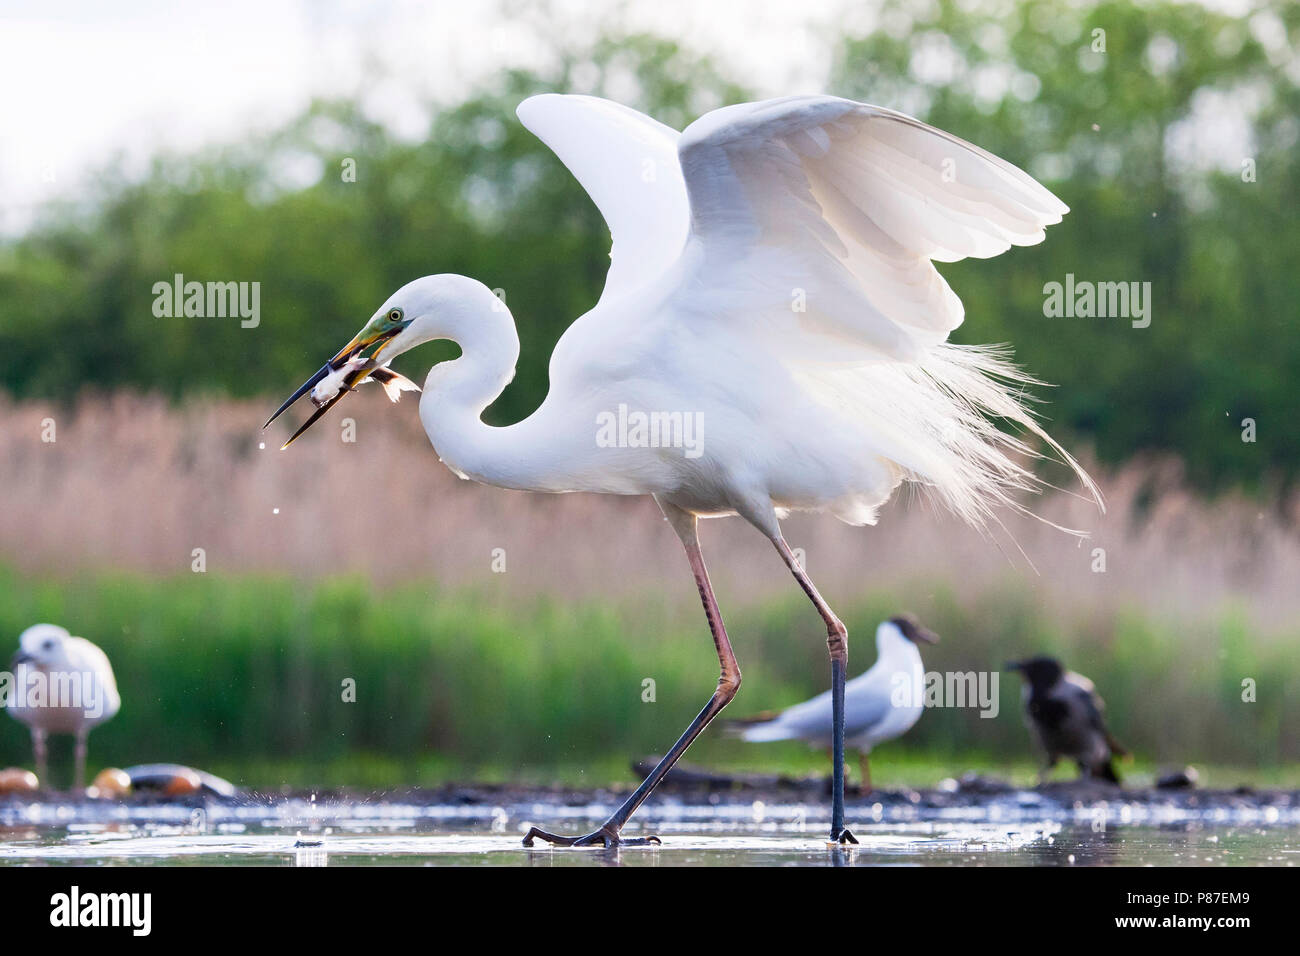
1021	830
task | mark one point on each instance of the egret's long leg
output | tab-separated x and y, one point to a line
728	683
837	642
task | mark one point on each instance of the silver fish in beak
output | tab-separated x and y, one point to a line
356	370
347	369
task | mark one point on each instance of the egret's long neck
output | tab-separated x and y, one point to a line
457	392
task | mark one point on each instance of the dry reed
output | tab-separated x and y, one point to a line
133	482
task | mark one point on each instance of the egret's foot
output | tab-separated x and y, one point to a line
606	836
844	838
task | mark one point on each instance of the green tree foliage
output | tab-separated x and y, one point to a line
479	195
1108	130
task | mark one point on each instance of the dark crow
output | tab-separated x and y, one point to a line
1063	712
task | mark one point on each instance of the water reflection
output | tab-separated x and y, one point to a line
721	835
961	845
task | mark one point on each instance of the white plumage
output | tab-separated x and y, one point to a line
357	369
62	685
869	714
771	276
770	273
879	705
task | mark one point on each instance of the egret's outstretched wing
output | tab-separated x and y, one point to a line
627	163
801	231
839	207
814	224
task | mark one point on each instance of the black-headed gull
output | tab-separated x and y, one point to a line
879	705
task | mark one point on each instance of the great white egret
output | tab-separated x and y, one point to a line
62	685
771	287
1064	713
872	711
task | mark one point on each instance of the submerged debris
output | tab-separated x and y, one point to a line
17	780
1184	779
174	780
110	784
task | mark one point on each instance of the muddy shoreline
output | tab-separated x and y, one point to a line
697	788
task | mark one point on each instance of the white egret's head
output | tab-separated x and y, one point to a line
43	645
429	308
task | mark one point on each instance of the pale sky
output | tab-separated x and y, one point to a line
84	81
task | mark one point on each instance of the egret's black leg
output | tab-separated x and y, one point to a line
607	835
837	644
838	832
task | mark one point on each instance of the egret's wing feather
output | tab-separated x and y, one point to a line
627	163
814	224
848	204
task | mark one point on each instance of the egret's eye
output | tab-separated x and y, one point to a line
47	645
395	315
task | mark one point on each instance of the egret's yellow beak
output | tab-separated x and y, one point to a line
360	342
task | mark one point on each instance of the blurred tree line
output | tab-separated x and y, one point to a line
1136	127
